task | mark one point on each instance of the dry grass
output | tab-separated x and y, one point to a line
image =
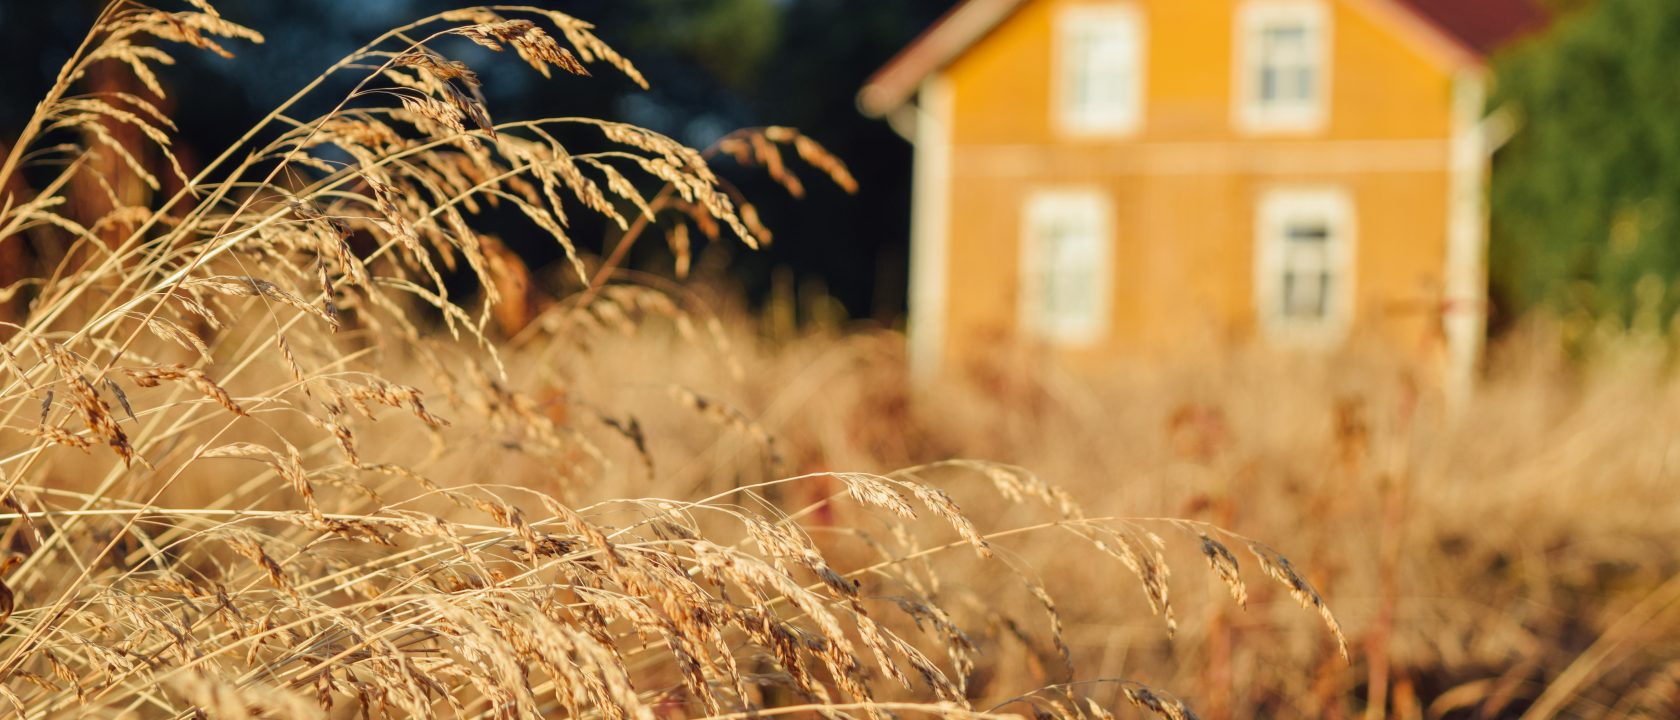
258	461
1516	561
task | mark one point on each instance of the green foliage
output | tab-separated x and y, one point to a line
1586	197
731	39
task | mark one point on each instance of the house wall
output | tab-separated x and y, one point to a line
1186	184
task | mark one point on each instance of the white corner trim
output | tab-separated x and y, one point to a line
1248	114
1464	296
930	228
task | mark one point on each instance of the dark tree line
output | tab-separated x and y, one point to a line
1586	196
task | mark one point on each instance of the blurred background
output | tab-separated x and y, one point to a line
1585	200
715	66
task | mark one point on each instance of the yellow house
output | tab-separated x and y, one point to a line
1129	176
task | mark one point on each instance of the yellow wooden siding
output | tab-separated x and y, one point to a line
1184	187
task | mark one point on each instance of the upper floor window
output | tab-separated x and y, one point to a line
1066	252
1283	78
1304	265
1099	69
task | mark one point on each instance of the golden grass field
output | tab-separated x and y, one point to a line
1508	558
259	462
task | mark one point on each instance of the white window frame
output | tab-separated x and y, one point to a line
1094	210
1276	211
1253	113
1122	118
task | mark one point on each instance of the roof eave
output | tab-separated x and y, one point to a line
1434	41
897	82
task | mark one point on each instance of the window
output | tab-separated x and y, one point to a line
1100	70
1065	266
1283	72
1304	280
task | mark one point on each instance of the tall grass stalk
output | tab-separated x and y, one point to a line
259	458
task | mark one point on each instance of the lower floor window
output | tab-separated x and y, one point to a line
1066	251
1304	264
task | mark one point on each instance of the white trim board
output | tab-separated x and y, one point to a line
1307	157
930	229
1464	297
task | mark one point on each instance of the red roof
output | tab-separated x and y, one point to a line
1481	25
1471	29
